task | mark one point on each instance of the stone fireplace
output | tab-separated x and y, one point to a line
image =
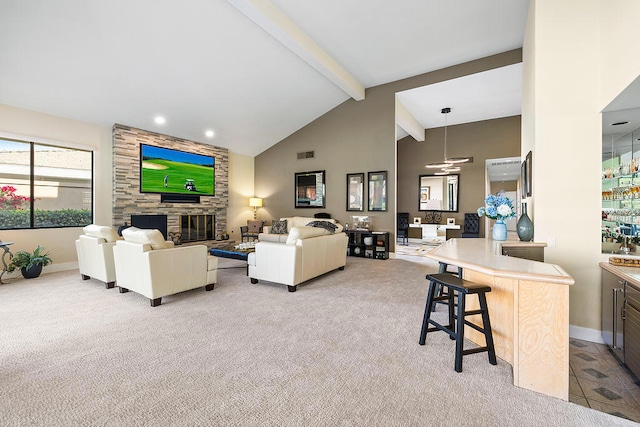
211	212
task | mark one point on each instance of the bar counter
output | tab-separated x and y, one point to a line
529	309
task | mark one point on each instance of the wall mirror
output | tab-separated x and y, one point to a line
439	193
620	173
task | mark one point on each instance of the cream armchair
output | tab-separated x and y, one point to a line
95	254
149	265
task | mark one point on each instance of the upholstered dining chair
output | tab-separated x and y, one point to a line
251	230
402	231
471	225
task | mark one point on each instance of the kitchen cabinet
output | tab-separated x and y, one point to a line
612	307
532	253
621	313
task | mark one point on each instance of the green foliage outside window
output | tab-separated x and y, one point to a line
12	218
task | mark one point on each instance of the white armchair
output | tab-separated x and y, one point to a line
95	254
150	266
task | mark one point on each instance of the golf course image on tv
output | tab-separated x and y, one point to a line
165	170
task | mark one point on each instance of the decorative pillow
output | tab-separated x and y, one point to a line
298	233
254	226
279	227
151	237
102	231
323	224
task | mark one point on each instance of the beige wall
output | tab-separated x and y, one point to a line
356	136
484	140
241	179
576	60
32	126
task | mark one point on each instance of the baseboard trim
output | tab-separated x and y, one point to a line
586	334
53	268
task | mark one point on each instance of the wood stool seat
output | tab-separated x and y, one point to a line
444	268
455	328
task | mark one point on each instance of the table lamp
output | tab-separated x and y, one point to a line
255	203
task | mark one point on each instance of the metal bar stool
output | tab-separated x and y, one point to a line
455	328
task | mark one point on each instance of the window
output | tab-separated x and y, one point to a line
44	186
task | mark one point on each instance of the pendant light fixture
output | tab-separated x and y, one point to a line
449	163
444	164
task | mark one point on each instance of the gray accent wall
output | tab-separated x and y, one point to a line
489	139
356	136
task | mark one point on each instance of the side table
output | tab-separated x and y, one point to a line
5	267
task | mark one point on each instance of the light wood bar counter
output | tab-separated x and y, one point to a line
529	309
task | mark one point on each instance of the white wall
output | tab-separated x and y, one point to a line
241	182
576	59
33	126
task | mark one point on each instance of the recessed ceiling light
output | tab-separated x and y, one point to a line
159	120
619	123
209	134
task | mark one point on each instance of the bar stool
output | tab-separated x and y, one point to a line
444	268
455	328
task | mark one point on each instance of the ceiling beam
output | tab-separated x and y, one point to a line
408	122
274	22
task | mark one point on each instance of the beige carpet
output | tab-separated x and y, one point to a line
341	351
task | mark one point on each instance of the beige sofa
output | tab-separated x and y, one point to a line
301	254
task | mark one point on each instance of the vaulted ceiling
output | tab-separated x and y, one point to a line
252	71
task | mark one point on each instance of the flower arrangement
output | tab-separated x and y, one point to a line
10	200
498	207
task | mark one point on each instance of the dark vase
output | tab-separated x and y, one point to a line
122	227
525	226
31	272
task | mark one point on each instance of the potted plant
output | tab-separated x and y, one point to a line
30	264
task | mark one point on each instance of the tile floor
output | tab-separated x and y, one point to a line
598	381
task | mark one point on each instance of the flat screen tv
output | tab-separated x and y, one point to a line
165	170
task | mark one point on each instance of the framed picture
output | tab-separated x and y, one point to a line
377	191
529	172
309	189
523	179
355	192
425	195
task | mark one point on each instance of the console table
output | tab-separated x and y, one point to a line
5	267
432	231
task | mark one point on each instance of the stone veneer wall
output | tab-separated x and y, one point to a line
127	198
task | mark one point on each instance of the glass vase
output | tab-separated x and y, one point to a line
525	226
499	231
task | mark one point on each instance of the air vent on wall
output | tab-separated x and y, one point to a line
508	162
306	155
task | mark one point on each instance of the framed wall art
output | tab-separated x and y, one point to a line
529	171
523	179
377	191
309	189
355	192
425	195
